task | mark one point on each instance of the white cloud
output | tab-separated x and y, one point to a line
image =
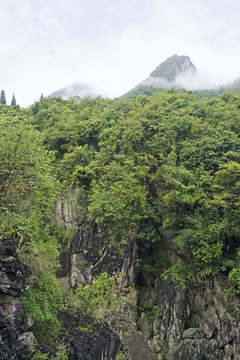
47	44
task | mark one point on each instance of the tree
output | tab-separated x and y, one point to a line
26	181
3	98
13	102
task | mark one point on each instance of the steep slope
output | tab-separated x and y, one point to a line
156	181
172	68
172	73
147	220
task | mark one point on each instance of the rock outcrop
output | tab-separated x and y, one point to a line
199	323
90	257
172	68
175	72
166	321
14	329
102	344
12	277
15	335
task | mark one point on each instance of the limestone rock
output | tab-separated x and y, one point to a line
90	258
214	333
14	343
144	326
193	333
195	349
139	349
12	278
103	344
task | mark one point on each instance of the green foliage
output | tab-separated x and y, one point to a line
181	273
120	356
192	321
61	354
26	181
13	102
234	278
96	300
43	298
28	190
42	301
40	356
117	199
152	248
3	98
163	169
152	310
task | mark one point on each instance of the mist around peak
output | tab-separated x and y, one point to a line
180	73
76	90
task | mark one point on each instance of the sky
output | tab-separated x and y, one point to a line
113	45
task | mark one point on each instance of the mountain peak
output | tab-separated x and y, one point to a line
174	66
177	72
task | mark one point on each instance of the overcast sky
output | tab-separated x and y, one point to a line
48	44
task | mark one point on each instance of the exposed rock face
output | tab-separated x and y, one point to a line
196	324
12	279
91	257
104	344
172	67
14	335
175	72
139	349
65	209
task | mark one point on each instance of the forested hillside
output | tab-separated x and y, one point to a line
161	172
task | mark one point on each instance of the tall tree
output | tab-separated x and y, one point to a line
13	102
3	98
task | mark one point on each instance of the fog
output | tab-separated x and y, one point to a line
77	90
47	44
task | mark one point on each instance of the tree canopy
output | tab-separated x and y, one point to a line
159	167
163	170
3	98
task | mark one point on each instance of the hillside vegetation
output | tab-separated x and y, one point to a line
163	169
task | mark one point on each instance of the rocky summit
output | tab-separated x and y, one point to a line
174	67
175	72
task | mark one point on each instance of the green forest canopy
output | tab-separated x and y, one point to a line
163	169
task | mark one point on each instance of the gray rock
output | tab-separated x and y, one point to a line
195	349
144	326
173	302
27	338
65	262
12	277
193	333
139	349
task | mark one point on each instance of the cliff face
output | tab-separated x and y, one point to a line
173	67
167	322
14	329
199	323
16	339
164	320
